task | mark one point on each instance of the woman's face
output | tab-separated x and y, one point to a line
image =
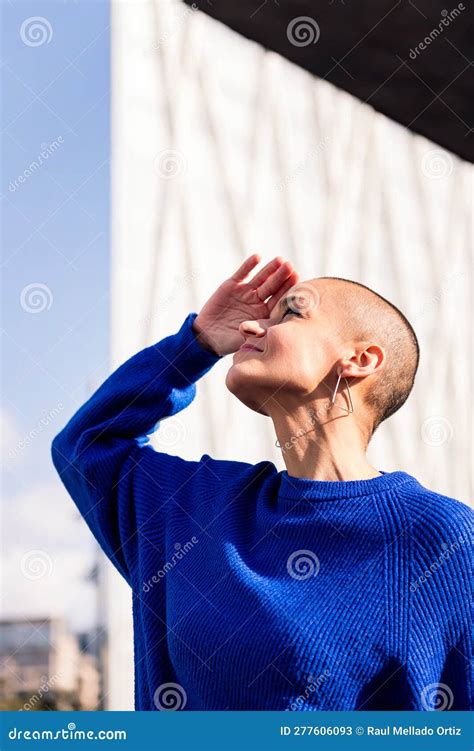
293	351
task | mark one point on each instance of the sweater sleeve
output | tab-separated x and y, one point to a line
441	592
100	454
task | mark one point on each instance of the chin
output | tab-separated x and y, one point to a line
241	376
239	384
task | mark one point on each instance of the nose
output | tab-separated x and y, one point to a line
251	328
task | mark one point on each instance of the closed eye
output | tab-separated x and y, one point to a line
291	311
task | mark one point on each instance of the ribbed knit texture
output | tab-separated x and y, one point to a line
255	590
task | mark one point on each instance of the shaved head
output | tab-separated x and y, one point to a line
318	330
367	315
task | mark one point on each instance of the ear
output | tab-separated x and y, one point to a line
368	358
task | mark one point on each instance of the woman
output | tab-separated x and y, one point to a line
331	585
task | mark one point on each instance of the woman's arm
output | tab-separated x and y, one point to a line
115	481
100	452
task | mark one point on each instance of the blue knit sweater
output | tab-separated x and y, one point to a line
256	590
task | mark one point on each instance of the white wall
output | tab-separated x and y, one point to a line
221	149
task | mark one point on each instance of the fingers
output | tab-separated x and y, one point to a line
264	273
290	282
274	279
246	267
273	283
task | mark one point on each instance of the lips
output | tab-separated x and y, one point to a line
249	347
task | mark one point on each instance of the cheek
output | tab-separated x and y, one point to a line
298	358
283	340
290	356
289	336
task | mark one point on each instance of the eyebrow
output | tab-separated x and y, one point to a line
284	303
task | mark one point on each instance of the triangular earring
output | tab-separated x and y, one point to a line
333	400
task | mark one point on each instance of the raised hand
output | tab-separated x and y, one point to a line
237	300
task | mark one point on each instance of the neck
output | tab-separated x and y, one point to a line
322	444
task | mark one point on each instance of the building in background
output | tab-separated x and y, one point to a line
44	666
221	149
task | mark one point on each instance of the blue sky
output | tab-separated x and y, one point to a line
55	275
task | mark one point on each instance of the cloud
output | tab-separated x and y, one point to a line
47	553
47	549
